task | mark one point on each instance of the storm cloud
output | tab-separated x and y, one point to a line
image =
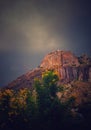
29	29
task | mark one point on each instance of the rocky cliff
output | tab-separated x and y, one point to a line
68	67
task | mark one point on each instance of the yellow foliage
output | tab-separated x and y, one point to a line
8	92
47	72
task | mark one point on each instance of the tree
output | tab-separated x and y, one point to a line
49	80
46	88
47	100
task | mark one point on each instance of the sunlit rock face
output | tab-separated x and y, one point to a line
68	67
69	73
59	58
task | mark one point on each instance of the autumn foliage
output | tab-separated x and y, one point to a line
39	108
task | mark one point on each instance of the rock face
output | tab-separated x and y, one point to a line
25	80
68	74
59	59
68	67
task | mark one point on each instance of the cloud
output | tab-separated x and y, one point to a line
30	34
29	27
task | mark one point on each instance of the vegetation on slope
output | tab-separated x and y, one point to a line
41	108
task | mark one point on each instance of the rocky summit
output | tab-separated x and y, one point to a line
68	66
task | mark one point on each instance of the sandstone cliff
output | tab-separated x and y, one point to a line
68	67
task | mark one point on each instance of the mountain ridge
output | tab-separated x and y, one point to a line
68	66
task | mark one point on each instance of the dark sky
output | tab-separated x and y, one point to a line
29	29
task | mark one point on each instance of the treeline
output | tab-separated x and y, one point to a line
37	109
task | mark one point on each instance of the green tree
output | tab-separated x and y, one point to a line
46	89
47	100
49	80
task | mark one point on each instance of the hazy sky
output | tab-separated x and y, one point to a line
29	29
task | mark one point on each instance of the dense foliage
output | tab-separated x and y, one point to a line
37	109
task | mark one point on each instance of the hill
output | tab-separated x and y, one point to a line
55	95
67	66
